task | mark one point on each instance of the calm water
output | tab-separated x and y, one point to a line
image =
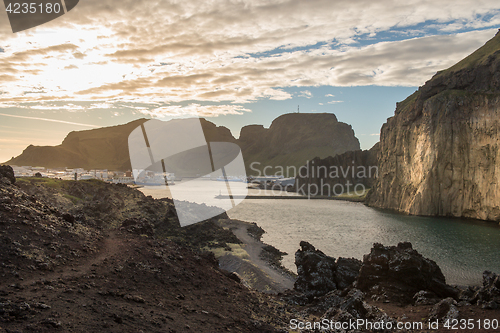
462	248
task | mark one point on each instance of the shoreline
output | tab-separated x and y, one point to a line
291	197
256	271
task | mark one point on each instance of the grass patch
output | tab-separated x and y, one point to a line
477	58
407	103
73	199
48	182
236	250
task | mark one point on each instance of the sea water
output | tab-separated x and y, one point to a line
462	248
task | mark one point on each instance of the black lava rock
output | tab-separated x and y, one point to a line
398	272
6	172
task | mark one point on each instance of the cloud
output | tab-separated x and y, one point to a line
236	52
26	55
335	102
306	94
195	110
79	55
46	119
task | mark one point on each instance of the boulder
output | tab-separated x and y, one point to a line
7	174
319	274
354	304
445	310
331	300
315	270
352	307
424	297
397	273
488	296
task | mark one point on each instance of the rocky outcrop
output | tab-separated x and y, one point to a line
444	310
488	296
60	264
292	140
439	154
339	174
7	174
315	271
101	148
397	273
319	274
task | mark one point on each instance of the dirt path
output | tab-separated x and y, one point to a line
254	247
111	245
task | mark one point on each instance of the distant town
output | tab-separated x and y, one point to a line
145	177
75	174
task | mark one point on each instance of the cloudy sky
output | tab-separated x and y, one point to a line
235	62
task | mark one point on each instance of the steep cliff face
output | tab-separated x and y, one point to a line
440	153
293	139
336	175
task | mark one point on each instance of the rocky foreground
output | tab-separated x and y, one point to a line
392	284
93	257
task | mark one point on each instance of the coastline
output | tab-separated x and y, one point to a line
292	197
112	254
258	272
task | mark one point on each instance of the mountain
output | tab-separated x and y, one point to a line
352	171
291	140
102	148
440	153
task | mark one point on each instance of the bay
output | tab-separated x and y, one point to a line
462	248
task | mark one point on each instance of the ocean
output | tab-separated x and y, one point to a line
462	248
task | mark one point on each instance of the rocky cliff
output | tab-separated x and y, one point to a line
293	139
339	174
102	148
440	153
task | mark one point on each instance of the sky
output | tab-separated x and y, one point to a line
233	62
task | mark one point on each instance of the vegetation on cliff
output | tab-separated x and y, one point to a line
440	151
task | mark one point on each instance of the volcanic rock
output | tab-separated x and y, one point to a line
488	295
444	310
316	271
347	271
7	173
396	273
319	274
440	151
